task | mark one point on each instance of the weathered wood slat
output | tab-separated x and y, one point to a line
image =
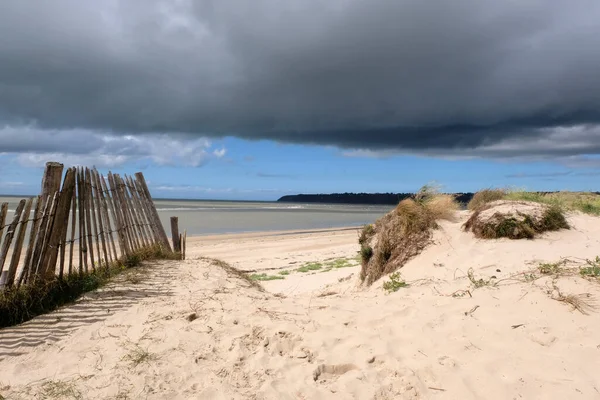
113	204
39	269
73	225
3	212
18	247
92	215
175	234
149	217
83	263
97	191
134	215
60	222
107	223
25	271
10	233
141	211
135	245
156	218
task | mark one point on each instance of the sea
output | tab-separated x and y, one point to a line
210	217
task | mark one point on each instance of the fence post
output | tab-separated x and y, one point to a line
175	234
59	226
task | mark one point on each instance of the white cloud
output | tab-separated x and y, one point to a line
34	147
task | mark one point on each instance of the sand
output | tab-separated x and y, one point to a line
191	330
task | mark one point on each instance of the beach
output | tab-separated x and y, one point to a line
304	328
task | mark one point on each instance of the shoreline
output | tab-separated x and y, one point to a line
269	233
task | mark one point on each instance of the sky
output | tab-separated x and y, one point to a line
230	99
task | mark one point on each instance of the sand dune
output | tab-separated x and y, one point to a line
191	330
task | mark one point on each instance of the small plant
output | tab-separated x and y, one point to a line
551	268
284	273
478	283
395	283
138	356
312	266
592	270
60	390
265	277
366	252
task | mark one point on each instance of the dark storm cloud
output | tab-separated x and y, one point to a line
425	76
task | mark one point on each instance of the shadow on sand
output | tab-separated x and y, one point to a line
126	290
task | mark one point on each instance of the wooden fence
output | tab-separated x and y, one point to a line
77	224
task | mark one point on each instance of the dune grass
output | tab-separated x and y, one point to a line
403	233
521	226
586	202
20	304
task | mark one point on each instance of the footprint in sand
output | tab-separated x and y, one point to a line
336	370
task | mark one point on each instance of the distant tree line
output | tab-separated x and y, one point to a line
366	198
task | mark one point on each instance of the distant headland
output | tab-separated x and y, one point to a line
368	198
360	198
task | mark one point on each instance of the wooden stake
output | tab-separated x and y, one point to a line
175	234
116	220
18	248
88	219
147	233
184	242
47	231
10	233
73	226
92	207
83	265
25	272
59	225
107	224
100	213
3	212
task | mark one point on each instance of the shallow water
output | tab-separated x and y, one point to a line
200	217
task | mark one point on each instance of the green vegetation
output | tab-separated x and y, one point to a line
592	270
366	252
20	304
284	273
265	277
551	268
479	283
311	266
395	283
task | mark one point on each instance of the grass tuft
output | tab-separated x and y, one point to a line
404	232
484	197
138	355
265	277
60	390
515	226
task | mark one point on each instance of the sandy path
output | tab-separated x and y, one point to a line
134	339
